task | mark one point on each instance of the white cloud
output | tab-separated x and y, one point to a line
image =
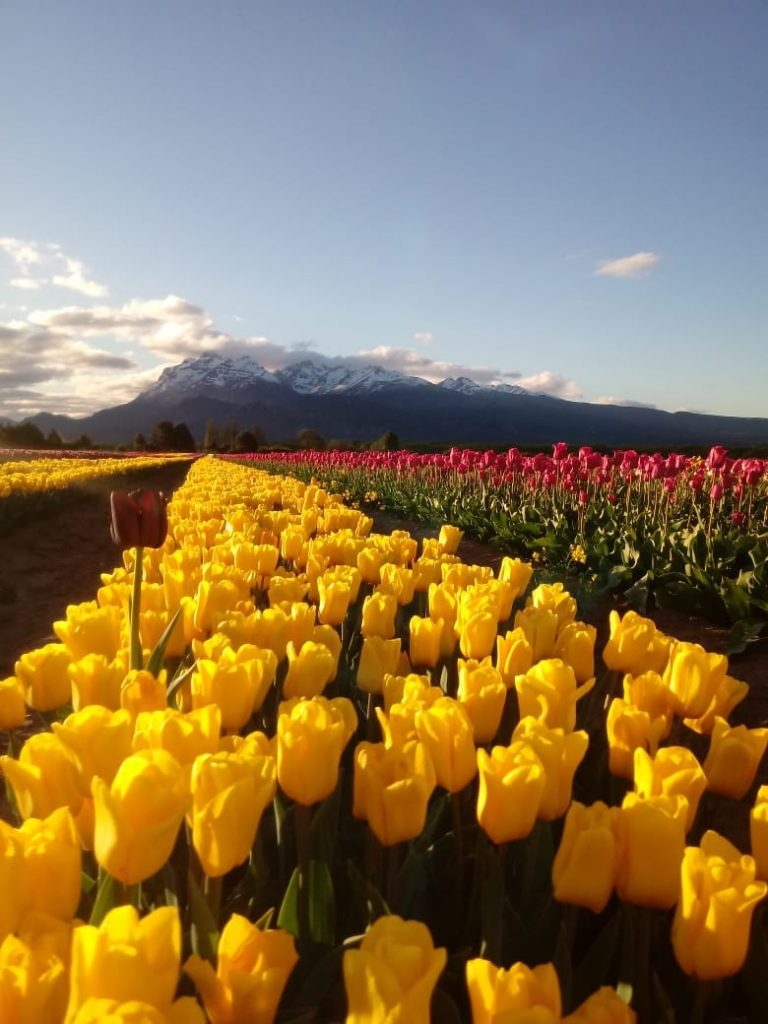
638	265
629	403
548	383
425	337
29	283
24	254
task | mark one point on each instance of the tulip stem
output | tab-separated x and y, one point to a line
212	888
458	834
393	864
136	653
303	820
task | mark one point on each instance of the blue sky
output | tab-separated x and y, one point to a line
568	195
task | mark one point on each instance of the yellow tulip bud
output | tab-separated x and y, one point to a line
726	697
482	694
514	655
399	581
142	691
651	843
554	597
393	973
43	675
693	677
673	771
395	687
710	930
477	636
560	754
89	629
45	776
97	680
126	959
635	645
13	710
213	601
449	538
392	787
629	729
137	817
548	691
585	865
311	735
446	731
335	598
310	669
518	994
252	970
185	737
647	692
733	759
99	739
758	831
33	983
511	787
603	1007
425	636
112	1011
300	623
515	572
378	657
540	627
379	611
575	645
229	795
237	682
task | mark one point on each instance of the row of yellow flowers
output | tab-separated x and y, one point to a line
27	476
289	628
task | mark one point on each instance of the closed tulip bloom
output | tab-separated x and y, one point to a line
443	603
99	738
635	645
673	771
45	776
253	967
515	572
330	638
112	1011
554	597
393	974
311	735
560	754
95	679
335	597
397	580
446	731
89	629
237	682
379	611
13	710
482	694
184	736
477	636
647	692
540	626
33	984
514	655
521	994
710	930
126	958
392	787
425	637
449	538
288	590
758	830
586	863
378	657
509	795
548	691
213	601
628	730
395	687
575	645
310	669
229	795
137	817
603	1007
43	675
726	697
733	759
139	518
693	677
302	619
651	842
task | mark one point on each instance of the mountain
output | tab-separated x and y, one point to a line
363	402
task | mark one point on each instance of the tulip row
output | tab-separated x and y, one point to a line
27	476
692	531
209	775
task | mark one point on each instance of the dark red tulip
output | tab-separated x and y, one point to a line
139	518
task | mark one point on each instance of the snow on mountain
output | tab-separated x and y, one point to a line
508	389
319	378
207	372
461	384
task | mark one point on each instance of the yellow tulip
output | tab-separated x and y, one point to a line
548	691
395	688
97	680
693	677
45	776
13	710
449	538
603	1007
184	736
446	731
252	970
43	675
237	682
515	572
213	601
392	787
229	795
586	863
142	691
126	959
733	759
477	635
519	994
629	729
758	831
554	597
673	771
33	984
89	629
310	668
647	692
540	626
112	1011
137	817
399	581
651	843
635	645
392	976
575	645
482	694
425	637
710	930
378	657
726	697
100	739
379	611
514	655
335	598
311	735
560	754
509	795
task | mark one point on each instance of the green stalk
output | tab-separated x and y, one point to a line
303	822
137	657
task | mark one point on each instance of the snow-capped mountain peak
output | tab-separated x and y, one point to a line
309	377
461	384
210	371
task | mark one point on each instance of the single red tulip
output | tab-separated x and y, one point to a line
139	518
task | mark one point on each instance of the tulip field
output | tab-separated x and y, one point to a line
283	767
690	531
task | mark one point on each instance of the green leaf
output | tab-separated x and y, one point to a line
86	882
204	933
743	634
325	826
492	899
156	658
372	903
106	897
265	921
179	678
322	924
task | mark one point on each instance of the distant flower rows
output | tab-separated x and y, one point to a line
20	476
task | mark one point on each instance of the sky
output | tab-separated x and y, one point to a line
570	196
